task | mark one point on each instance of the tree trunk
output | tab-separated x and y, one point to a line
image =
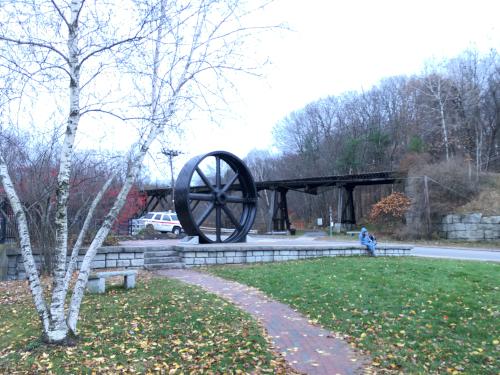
58	318
24	237
445	129
495	127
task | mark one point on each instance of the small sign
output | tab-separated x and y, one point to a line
320	221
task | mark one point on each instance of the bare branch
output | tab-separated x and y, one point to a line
110	113
134	38
34	44
61	14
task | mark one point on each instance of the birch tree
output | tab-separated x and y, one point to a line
170	57
436	89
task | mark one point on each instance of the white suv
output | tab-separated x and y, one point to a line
162	222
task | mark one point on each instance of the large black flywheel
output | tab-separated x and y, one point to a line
216	198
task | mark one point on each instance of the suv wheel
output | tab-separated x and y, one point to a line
176	231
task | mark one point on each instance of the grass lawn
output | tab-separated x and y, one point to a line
162	326
413	316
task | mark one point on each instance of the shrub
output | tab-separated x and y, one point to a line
111	240
390	210
416	144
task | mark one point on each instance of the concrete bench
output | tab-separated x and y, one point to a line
97	281
353	233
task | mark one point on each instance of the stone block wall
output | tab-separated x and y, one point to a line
470	227
3	262
107	257
203	255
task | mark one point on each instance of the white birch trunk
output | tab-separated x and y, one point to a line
479	147
445	129
59	328
436	93
26	251
83	232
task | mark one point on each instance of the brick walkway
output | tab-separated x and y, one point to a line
307	348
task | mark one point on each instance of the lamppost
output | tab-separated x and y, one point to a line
171	154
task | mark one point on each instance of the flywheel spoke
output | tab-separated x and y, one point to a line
201	197
193	207
230	183
204	178
231	217
217	173
205	215
218	224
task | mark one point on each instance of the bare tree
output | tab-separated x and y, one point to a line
449	111
437	89
175	51
476	86
492	102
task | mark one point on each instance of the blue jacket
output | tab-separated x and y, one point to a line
363	237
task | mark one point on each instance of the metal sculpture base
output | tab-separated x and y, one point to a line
195	240
191	240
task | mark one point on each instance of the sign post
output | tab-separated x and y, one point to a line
331	221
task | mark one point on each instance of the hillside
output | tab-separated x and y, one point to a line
488	199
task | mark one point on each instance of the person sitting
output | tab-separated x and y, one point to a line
368	240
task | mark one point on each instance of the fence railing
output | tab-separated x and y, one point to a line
134	226
8	227
3	229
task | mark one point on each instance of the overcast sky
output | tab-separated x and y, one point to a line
334	46
339	46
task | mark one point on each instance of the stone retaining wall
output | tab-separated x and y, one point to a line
107	257
470	227
3	262
200	255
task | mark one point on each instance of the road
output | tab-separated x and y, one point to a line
457	253
487	255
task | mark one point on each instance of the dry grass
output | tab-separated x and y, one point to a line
15	291
160	327
488	200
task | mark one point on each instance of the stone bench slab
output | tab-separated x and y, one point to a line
112	273
97	281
